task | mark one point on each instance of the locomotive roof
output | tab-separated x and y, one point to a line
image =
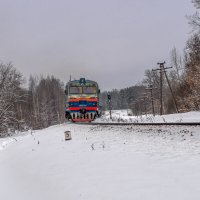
83	81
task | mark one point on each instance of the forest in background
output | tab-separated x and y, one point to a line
39	106
42	104
183	79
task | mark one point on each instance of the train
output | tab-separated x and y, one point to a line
82	100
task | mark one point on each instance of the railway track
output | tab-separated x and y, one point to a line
141	124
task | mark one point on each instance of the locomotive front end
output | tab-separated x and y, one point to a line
82	100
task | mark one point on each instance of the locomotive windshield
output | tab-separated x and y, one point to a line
82	87
89	90
75	90
83	90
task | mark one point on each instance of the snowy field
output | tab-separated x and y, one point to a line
102	163
126	116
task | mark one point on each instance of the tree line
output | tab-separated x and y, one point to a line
186	74
39	106
183	78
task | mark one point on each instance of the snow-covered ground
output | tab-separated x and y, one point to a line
102	163
126	116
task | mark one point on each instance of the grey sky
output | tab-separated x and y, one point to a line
110	41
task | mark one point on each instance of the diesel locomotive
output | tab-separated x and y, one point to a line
82	100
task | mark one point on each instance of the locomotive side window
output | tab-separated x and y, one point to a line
89	90
75	90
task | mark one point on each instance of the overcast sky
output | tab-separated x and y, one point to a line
110	41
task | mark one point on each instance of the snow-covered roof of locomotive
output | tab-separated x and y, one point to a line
84	81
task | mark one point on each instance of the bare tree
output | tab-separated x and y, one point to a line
178	66
194	20
193	71
47	97
10	95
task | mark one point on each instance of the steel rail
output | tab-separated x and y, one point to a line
141	124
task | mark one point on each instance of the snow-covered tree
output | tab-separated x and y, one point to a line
47	101
10	95
194	20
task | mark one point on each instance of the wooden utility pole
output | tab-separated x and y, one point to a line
174	99
152	102
162	70
161	85
145	103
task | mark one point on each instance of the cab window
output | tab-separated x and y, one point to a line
75	90
89	90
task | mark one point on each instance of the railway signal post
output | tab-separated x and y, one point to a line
109	104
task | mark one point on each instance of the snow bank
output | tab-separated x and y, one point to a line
103	162
125	116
